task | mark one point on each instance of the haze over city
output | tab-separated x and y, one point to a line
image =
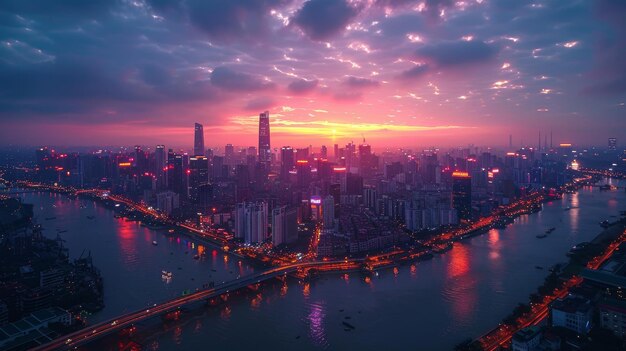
401	73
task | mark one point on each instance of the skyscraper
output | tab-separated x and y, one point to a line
612	143
264	137
198	140
462	194
286	162
251	222
284	225
161	166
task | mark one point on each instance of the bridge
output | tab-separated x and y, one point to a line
96	331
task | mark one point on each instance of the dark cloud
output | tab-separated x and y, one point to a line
260	103
302	86
322	19
228	79
416	72
62	8
457	53
360	83
231	19
609	73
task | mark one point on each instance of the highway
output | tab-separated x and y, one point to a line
99	330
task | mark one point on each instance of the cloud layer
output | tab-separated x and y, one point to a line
153	67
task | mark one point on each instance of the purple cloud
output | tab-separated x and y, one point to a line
322	19
227	79
457	53
302	86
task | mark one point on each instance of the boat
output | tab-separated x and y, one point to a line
550	230
538	267
195	257
605	187
171	231
166	274
154	242
61	231
541	236
50	218
348	325
117	216
605	224
90	217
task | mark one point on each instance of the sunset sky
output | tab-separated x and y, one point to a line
398	72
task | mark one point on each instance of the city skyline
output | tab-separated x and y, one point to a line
400	73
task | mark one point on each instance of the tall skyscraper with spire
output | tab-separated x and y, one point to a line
198	140
264	137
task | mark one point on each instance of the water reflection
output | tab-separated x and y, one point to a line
460	289
315	319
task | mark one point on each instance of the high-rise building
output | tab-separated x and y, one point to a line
328	212
168	201
229	154
265	152
369	197
160	167
198	140
287	162
251	222
462	194
284	225
198	175
324	152
612	143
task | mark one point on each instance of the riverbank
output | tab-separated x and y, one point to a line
556	286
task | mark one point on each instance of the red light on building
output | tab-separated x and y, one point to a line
302	162
188	171
495	170
459	174
124	164
339	169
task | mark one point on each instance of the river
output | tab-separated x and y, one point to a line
432	305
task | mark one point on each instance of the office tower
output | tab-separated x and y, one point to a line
264	138
369	197
198	175
251	222
304	173
218	167
168	201
328	212
242	181
229	154
160	167
284	225
302	154
140	160
287	162
324	152
393	170
354	184
612	144
462	194
198	140
335	191
365	159
175	170
336	152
